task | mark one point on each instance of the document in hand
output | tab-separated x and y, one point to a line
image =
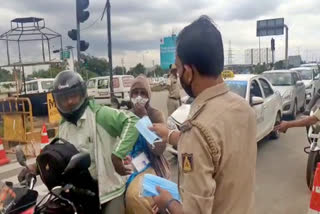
150	182
143	127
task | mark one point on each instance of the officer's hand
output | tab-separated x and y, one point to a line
155	209
119	166
162	199
161	129
282	127
140	110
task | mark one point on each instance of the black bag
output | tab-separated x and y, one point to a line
53	160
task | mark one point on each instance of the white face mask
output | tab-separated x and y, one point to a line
140	100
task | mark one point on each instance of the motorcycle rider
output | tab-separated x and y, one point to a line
107	134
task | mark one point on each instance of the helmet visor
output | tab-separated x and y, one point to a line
69	100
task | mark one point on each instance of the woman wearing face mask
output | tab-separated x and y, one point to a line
140	94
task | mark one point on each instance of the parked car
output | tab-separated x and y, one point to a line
291	88
258	92
312	65
99	88
311	80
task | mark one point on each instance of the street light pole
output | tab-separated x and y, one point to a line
108	7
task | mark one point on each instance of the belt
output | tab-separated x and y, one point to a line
173	98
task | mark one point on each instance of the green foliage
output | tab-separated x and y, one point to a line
279	65
137	70
258	69
119	70
5	75
99	66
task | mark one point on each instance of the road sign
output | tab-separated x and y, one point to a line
270	27
53	113
167	51
65	54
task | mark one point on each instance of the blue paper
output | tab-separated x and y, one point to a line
150	182
143	128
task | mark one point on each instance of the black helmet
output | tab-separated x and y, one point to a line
67	85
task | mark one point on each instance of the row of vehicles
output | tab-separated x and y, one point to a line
98	87
272	95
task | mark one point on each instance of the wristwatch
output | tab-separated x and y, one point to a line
169	203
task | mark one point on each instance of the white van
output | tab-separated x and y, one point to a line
38	86
99	88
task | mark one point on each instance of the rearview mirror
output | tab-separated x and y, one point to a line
21	158
299	83
256	100
78	162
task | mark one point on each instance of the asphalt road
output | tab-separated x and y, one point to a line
281	164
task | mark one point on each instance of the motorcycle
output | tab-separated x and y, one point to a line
313	150
68	198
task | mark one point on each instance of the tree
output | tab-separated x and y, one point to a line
279	65
51	72
5	75
137	70
159	71
119	70
258	69
99	66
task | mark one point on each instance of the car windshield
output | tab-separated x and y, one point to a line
238	87
47	84
279	79
306	74
91	84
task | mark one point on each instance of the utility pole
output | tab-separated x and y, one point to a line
273	48
287	44
122	63
259	51
107	10
230	55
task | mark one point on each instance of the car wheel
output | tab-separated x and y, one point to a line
303	108
115	103
294	111
276	134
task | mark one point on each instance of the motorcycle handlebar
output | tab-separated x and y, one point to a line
84	192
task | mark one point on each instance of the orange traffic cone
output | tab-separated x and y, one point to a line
315	195
3	156
44	137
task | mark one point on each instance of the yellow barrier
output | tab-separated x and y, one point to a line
17	118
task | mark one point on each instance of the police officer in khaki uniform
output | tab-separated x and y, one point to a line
173	101
217	144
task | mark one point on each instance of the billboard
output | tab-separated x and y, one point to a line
270	27
167	51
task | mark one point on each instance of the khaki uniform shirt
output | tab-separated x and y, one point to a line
217	154
173	87
317	114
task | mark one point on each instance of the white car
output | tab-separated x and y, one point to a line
99	88
291	88
258	92
311	80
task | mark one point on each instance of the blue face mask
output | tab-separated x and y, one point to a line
150	182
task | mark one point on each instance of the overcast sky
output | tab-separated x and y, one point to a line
138	25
